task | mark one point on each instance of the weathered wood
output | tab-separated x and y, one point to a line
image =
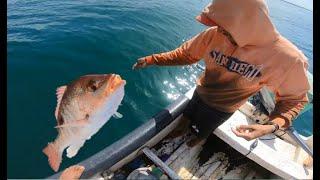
239	172
220	171
252	174
154	158
257	172
176	154
204	167
168	146
185	163
213	167
156	139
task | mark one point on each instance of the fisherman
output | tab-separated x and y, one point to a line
242	52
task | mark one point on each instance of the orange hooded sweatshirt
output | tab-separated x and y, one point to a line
233	73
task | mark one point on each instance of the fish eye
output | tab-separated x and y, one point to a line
92	85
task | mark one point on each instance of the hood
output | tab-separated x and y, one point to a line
247	21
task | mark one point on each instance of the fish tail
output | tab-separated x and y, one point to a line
54	156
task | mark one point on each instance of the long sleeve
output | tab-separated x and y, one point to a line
188	53
291	95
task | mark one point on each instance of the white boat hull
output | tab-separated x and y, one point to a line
276	155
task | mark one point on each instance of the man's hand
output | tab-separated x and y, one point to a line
250	132
141	63
73	172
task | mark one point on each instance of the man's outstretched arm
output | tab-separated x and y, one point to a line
188	53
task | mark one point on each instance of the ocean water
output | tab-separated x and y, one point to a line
50	43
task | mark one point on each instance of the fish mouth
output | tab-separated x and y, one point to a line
113	82
116	79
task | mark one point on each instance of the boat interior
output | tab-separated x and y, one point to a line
210	159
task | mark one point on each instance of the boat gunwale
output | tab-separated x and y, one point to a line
133	141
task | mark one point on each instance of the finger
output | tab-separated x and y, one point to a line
137	65
140	63
242	130
134	66
140	60
238	133
247	136
244	127
247	128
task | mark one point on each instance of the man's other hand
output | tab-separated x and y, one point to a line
250	132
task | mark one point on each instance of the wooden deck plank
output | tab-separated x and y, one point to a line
204	167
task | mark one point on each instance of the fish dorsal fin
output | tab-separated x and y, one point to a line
60	91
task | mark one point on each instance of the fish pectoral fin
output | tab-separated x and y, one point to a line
78	123
74	148
117	115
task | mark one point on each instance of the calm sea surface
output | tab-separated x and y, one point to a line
53	42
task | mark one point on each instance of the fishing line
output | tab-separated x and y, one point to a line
284	132
252	146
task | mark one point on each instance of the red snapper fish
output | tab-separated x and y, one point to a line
83	107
